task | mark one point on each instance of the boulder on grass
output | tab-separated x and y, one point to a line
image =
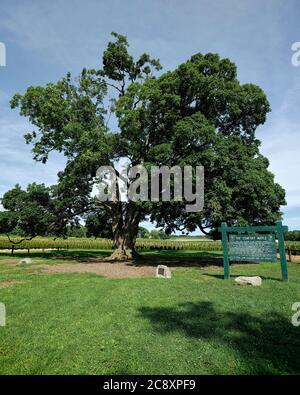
163	271
255	280
25	260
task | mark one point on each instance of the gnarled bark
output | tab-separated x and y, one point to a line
125	229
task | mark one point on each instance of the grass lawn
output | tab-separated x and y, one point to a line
194	323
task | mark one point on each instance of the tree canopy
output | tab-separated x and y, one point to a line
197	114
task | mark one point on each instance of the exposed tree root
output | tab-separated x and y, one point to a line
123	254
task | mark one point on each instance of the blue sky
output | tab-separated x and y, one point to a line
46	39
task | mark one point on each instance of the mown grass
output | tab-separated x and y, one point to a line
194	323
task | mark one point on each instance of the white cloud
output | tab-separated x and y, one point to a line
280	144
16	163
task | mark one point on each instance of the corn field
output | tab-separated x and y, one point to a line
106	244
46	243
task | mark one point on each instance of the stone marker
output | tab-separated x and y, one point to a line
163	271
255	280
25	260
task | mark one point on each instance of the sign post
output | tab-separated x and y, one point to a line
284	270
245	244
225	250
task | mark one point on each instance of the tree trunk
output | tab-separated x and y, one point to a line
125	230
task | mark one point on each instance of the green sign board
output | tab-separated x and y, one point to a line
252	247
246	244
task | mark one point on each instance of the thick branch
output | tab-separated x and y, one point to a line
19	241
202	228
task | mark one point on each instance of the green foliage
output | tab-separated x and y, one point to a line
292	235
98	225
158	234
29	213
117	63
37	211
143	233
197	114
76	231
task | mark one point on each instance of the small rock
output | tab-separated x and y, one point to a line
255	280
163	271
25	260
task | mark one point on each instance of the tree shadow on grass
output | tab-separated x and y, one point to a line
267	345
179	259
182	258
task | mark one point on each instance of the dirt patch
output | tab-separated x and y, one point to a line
106	269
143	266
295	258
7	284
